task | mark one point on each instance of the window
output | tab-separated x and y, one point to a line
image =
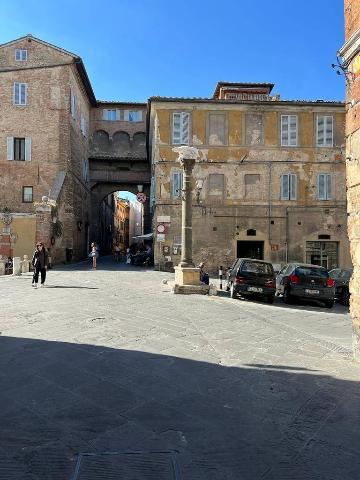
83	125
72	103
27	195
216	184
324	130
324	186
20	93
135	116
288	186
85	170
254	129
18	148
289	130
253	188
176	184
20	55
217	129
111	115
181	128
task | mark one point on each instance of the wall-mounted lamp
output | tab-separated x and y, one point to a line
140	188
342	68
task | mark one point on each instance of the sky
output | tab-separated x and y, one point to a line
134	49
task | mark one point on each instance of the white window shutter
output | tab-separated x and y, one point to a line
285	187
117	114
293	134
177	184
284	130
329	194
176	128
329	129
321	187
126	115
23	97
10	148
320	128
105	114
28	149
293	186
185	128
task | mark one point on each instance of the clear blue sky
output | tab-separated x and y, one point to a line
134	49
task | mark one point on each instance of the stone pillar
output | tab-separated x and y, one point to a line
2	265
25	265
16	266
44	222
350	53
187	277
186	213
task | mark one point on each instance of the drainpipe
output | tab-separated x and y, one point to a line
287	235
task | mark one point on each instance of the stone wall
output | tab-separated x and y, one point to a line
351	56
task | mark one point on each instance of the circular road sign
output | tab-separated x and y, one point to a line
160	228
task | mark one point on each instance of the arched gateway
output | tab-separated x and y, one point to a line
118	158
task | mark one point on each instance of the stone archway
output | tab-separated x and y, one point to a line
101	190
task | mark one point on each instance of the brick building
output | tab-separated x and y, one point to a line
45	103
122	216
270	177
350	53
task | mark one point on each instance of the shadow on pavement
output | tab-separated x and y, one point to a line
227	423
105	263
70	286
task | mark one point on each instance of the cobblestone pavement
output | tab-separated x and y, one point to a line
111	361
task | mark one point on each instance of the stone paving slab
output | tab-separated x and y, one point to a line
110	360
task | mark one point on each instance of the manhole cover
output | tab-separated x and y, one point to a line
127	466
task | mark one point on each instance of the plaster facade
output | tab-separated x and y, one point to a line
240	210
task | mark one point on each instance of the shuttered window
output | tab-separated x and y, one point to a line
18	148
83	125
324	130
27	194
289	130
288	186
217	129
324	186
72	103
176	184
20	93
181	128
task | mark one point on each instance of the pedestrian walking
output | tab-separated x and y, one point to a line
94	253
40	263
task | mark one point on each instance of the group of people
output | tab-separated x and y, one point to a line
140	255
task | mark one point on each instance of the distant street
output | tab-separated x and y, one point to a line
111	361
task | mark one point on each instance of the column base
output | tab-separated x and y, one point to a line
187	281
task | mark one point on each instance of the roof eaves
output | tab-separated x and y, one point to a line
29	36
119	102
252	102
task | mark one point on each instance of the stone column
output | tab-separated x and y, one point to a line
2	265
16	266
44	222
186	213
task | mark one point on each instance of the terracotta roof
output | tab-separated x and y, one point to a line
119	102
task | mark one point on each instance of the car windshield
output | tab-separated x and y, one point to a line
311	272
257	267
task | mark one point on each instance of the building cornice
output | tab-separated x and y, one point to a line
351	48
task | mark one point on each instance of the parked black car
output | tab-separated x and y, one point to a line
302	281
249	277
342	279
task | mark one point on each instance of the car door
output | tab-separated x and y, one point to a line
279	279
230	274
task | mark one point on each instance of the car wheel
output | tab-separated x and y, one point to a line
329	303
287	297
232	291
270	299
345	297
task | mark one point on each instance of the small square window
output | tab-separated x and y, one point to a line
20	55
27	194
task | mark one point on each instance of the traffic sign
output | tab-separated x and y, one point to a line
161	228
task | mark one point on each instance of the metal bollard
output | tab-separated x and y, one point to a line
221	276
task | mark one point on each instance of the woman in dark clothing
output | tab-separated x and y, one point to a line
40	262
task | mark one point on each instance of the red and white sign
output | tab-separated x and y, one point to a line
161	228
141	197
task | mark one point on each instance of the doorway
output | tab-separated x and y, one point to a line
249	249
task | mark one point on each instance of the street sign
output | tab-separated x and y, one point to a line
161	228
141	197
160	237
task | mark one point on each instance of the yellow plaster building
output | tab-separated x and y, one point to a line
270	177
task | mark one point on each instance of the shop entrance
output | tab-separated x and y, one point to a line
324	254
249	249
